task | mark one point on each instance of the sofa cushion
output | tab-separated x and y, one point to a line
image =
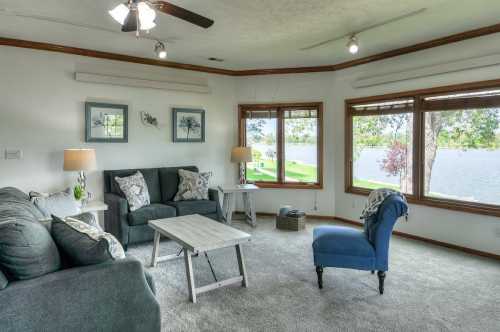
194	207
28	250
3	280
61	204
135	189
344	241
13	202
85	244
150	176
150	212
169	180
192	186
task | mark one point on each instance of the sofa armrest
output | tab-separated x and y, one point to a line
115	217
112	296
213	195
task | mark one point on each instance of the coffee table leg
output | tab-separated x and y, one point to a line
156	248
189	275
241	264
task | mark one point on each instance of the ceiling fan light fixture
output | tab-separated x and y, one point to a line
160	50
120	13
147	15
353	45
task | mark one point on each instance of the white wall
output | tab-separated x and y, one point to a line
42	113
296	88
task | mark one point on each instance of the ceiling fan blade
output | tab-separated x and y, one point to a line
183	14
130	23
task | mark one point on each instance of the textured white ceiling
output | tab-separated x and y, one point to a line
250	34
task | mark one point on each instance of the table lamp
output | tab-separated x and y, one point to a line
80	160
241	155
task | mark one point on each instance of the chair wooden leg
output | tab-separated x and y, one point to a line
319	272
381	278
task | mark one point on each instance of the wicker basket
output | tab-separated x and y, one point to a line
289	223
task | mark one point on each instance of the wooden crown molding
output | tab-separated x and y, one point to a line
458	37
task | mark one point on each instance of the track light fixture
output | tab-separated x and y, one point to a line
160	50
353	45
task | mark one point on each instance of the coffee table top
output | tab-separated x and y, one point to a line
199	233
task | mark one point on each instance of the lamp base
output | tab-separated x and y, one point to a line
243	178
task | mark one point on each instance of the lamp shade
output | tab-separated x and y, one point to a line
79	160
241	154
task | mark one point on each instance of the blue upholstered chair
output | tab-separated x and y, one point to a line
345	247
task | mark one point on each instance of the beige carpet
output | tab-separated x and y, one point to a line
428	288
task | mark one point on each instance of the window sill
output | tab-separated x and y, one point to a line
462	206
271	185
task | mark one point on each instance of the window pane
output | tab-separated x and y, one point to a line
462	155
262	138
382	151
301	150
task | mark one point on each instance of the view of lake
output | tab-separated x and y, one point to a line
305	153
472	174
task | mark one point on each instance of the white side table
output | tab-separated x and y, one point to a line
229	192
95	207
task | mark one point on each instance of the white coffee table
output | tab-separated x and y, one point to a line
229	192
198	234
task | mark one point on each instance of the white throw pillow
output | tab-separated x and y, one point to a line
61	204
192	186
135	189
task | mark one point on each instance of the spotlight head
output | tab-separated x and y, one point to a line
353	45
160	50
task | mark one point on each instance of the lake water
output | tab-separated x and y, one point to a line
305	153
471	174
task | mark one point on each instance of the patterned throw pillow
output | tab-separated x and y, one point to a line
85	244
192	186
135	189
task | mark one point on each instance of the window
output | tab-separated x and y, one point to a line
382	145
286	141
440	146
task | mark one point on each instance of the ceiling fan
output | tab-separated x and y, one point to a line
137	15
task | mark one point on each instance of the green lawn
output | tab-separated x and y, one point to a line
373	184
294	171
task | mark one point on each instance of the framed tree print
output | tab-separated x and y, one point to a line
106	123
188	125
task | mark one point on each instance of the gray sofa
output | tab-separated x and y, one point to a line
112	296
132	227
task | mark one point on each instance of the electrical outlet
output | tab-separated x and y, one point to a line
13	154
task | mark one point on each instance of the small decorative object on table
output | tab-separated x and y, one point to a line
241	155
80	160
293	220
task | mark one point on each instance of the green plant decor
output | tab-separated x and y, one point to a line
78	192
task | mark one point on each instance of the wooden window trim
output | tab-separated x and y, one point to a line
280	184
420	108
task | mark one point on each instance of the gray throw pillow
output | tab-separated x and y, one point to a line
27	249
61	204
135	189
192	186
85	244
3	280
